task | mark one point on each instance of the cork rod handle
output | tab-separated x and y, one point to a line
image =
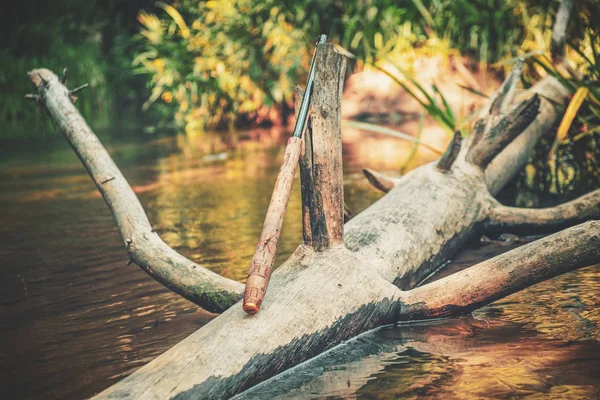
264	255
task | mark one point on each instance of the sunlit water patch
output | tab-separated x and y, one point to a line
75	318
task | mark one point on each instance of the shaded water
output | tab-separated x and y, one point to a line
75	318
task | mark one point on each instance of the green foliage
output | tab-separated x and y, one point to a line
567	164
23	117
91	39
229	57
214	62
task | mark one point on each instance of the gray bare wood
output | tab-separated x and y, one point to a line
317	299
197	284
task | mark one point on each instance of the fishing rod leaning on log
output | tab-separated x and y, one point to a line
264	255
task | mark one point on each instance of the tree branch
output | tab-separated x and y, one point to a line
451	153
534	220
197	284
321	166
510	160
464	291
559	31
504	132
319	299
380	181
497	105
507	91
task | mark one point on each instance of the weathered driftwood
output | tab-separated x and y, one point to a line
318	299
321	167
445	162
507	273
536	220
380	181
505	131
144	246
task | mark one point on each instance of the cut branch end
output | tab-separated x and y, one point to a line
379	180
504	132
448	158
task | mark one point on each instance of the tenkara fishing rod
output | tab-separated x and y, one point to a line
264	255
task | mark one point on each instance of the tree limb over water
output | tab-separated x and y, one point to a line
144	247
329	291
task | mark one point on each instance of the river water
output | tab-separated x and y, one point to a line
75	318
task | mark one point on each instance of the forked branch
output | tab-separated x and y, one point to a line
197	284
497	105
506	93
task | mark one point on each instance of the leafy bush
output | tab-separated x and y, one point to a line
233	57
92	39
217	62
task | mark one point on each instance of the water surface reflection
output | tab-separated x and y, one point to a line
542	342
75	318
485	356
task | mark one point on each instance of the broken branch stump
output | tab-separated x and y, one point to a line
321	164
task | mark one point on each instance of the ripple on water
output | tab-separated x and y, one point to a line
75	318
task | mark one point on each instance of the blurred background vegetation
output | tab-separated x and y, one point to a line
221	64
95	39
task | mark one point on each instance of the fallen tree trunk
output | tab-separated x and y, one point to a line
328	291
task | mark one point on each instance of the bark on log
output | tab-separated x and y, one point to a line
321	166
197	284
319	299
